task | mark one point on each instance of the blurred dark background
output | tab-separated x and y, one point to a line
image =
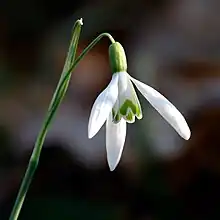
173	46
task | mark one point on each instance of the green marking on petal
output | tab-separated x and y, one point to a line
130	118
129	109
126	105
116	116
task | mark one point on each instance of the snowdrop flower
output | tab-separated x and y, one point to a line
118	104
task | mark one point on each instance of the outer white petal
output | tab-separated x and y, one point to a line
165	108
103	106
115	139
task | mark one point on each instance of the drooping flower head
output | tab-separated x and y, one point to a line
119	104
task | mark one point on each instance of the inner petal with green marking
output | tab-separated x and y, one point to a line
127	105
129	110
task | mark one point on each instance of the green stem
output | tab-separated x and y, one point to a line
55	102
89	47
82	55
33	162
69	60
32	166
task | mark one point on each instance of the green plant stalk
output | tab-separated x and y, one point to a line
69	60
82	55
55	102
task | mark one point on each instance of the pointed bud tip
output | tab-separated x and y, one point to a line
81	21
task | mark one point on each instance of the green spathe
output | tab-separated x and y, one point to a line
117	57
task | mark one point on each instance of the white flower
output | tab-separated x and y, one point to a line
119	104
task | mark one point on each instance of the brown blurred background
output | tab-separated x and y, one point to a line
173	46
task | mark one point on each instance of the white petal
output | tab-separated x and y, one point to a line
115	139
103	106
165	108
